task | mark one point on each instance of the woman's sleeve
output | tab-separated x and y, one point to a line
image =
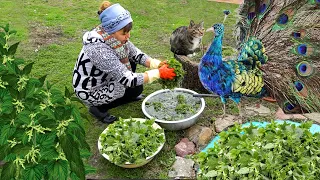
136	55
105	59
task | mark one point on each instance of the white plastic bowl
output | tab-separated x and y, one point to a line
127	164
174	125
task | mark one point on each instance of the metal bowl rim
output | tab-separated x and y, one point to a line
172	122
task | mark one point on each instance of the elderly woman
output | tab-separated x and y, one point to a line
104	75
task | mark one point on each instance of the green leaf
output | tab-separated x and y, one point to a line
12	68
8	171
18	61
10	157
34	172
73	176
2	40
71	150
6	106
269	146
24	117
67	93
21	150
13	48
79	133
211	173
90	169
27	68
48	139
84	153
42	79
49	113
58	170
4	150
31	88
3	68
12	32
6	28
244	170
48	85
76	99
2	52
6	132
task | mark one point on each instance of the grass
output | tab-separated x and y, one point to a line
51	36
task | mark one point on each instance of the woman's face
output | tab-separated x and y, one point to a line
121	36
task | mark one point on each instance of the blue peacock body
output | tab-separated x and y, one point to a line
233	78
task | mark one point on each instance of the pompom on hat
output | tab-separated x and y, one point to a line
114	18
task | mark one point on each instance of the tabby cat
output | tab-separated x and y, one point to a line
185	40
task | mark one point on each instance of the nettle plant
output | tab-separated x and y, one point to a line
278	151
41	131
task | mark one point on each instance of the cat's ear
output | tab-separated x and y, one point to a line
191	24
201	23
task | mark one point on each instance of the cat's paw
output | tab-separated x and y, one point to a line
191	55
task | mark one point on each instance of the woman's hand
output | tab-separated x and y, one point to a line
162	63
166	73
155	63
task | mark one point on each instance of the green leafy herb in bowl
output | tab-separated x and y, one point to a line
131	143
172	105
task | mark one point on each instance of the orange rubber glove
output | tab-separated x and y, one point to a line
162	63
166	73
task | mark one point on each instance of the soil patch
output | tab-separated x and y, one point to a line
43	35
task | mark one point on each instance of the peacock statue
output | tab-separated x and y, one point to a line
278	43
232	78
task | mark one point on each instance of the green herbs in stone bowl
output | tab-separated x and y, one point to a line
131	143
178	70
278	151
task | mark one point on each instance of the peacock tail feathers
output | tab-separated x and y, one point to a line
253	53
289	31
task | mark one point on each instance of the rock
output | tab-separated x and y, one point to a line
254	110
313	116
172	174
204	136
183	169
193	133
184	147
223	123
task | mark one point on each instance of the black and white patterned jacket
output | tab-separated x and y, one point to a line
99	77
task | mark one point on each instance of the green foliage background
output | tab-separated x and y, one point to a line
42	135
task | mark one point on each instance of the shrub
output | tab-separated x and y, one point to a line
41	131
